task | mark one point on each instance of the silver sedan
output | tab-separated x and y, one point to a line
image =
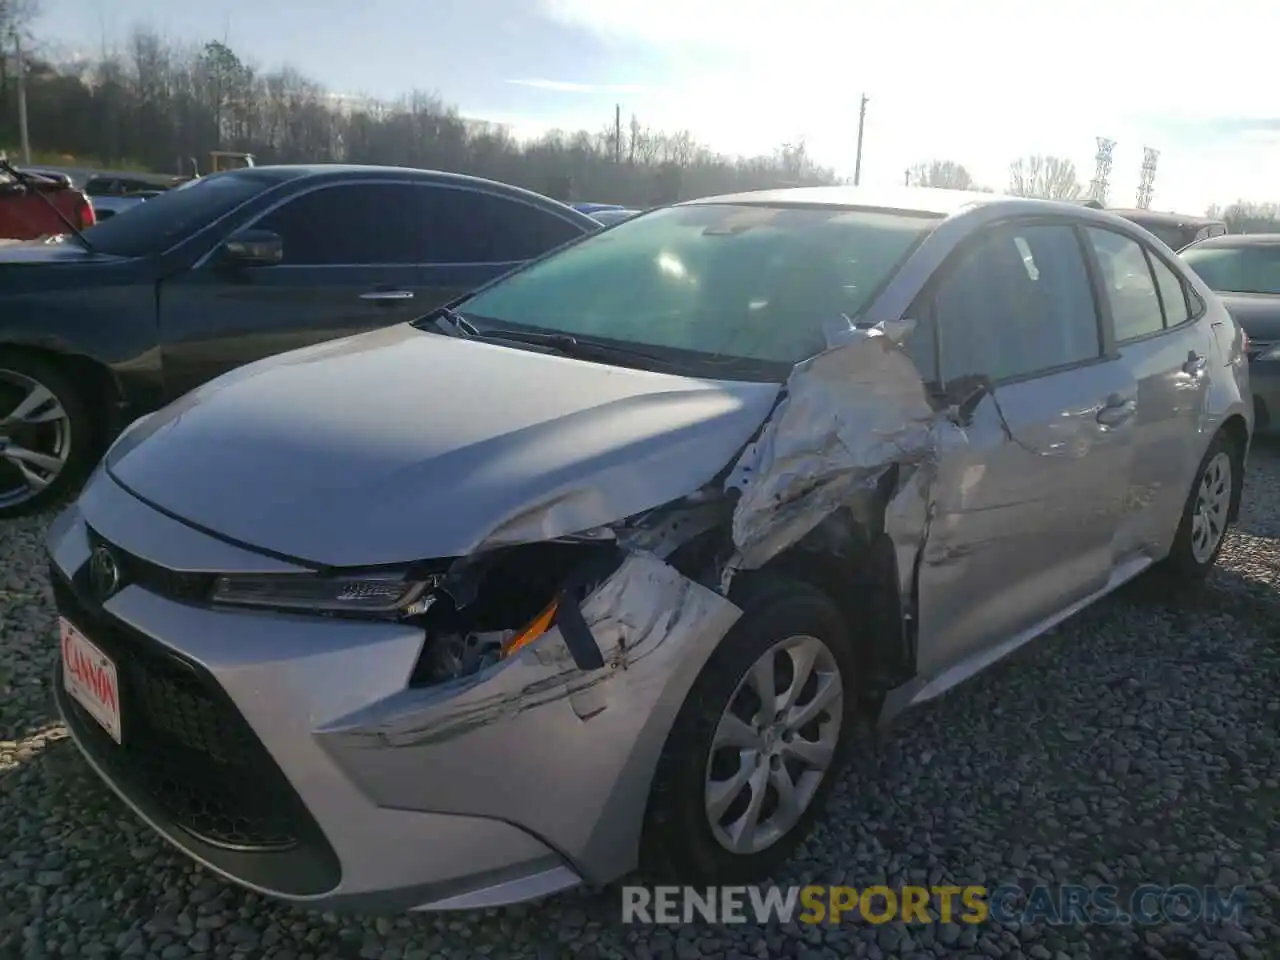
603	566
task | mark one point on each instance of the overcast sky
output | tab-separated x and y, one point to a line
979	82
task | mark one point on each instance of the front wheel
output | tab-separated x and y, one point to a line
1206	516
46	438
758	742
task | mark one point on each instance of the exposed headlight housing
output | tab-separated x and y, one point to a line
386	595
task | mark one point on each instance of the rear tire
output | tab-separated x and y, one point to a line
726	760
1206	517
48	440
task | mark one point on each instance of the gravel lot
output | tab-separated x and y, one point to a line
1135	744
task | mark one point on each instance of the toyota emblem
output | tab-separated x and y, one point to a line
104	573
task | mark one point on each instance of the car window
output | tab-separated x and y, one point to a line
1127	283
513	230
345	224
1018	302
1253	269
751	282
163	221
1173	293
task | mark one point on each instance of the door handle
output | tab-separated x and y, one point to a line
1117	410
386	295
1195	363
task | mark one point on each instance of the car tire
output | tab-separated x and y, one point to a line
1206	517
783	621
53	423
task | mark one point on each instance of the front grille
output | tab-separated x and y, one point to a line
173	584
184	745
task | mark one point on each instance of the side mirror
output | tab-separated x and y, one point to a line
252	248
963	394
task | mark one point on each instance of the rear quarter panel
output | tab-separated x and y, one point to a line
1229	391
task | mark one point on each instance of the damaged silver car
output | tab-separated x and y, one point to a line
605	566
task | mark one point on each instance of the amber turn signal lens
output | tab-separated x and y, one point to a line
540	625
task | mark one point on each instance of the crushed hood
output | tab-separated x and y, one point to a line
401	445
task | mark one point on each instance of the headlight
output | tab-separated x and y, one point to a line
381	595
1272	354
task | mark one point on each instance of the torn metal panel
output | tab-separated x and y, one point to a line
645	610
601	732
849	414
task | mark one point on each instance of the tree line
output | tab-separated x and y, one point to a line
158	105
1055	178
1035	175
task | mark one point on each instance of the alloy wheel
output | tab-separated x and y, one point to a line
1212	506
773	744
35	438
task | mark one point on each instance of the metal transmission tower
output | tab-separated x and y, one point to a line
1146	187
1101	170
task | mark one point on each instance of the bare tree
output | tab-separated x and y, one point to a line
1046	177
946	174
155	103
1245	216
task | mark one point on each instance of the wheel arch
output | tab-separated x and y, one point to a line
1236	429
103	391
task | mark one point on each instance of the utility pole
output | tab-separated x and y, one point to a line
906	177
857	163
617	133
22	99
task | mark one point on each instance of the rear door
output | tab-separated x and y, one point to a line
1171	355
1026	508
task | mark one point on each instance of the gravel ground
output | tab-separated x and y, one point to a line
1135	744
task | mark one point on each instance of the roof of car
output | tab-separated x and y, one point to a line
374	172
916	200
1239	240
1163	218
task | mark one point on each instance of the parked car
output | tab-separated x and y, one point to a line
608	218
601	564
593	208
228	269
26	212
1176	230
1244	270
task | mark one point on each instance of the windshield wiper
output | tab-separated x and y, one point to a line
570	346
33	186
454	324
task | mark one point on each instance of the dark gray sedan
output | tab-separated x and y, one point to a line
1244	270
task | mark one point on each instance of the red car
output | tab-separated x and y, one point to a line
24	214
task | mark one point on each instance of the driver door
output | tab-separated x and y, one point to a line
351	264
1026	509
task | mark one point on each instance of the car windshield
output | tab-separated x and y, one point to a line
709	282
158	224
1237	269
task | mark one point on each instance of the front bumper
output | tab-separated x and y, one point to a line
510	785
246	689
